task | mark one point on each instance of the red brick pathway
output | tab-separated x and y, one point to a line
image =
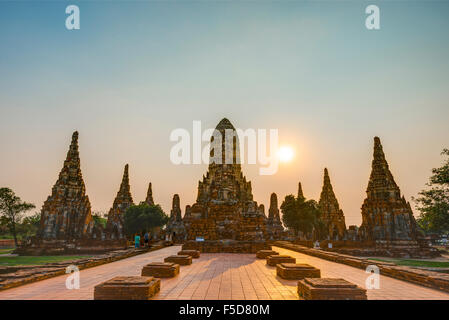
218	276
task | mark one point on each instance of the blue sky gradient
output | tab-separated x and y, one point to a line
136	70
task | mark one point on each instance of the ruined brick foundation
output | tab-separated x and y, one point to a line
226	246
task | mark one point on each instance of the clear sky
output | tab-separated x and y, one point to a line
136	70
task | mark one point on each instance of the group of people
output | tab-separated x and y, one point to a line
142	241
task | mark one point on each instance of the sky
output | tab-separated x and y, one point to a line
136	70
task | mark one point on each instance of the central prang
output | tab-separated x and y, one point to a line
224	207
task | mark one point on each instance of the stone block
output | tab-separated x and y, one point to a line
293	271
161	270
329	289
274	260
182	260
262	254
127	288
193	253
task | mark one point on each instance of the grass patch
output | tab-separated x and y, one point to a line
416	263
5	251
30	260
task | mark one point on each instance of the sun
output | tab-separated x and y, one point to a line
285	154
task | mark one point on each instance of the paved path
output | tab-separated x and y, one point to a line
219	276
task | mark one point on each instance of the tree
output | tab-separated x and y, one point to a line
290	214
433	204
12	209
144	217
29	225
301	215
99	219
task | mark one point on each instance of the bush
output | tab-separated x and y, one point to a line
143	218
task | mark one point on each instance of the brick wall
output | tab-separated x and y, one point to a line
7	243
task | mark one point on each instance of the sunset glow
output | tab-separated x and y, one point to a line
285	154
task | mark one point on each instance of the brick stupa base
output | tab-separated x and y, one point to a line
226	246
161	270
274	260
263	254
193	253
294	271
127	288
329	289
39	247
183	260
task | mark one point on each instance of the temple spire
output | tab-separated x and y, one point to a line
125	190
300	193
149	198
224	199
175	227
327	186
273	212
274	224
331	214
223	151
385	213
175	213
66	214
381	178
73	149
327	180
123	200
71	170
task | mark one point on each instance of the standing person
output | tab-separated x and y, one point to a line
137	240
146	238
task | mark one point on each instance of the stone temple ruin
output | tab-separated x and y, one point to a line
388	225
385	213
225	209
225	217
175	226
275	229
66	214
115	225
331	214
387	218
67	225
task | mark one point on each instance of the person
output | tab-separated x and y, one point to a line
137	240
147	238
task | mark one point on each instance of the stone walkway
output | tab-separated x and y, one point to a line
219	276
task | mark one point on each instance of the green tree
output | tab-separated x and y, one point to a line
301	215
144	217
290	214
12	209
29	225
99	219
433	203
